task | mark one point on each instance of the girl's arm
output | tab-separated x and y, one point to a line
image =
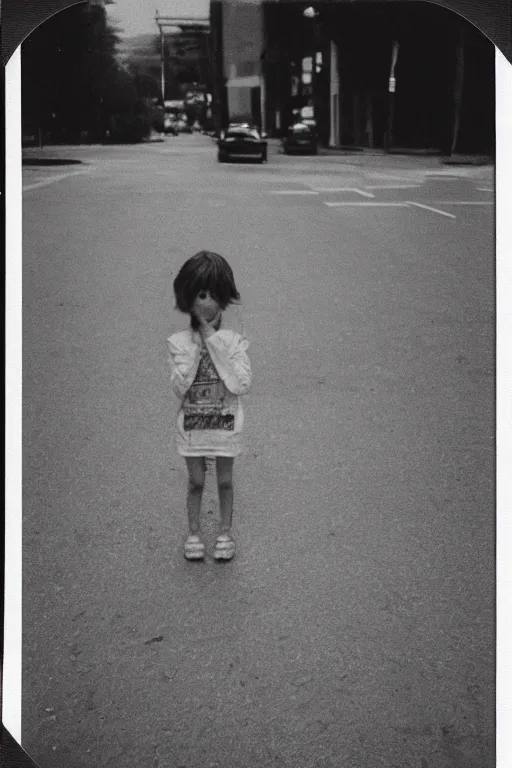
184	362
229	355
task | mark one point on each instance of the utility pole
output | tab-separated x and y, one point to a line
263	119
312	14
391	103
219	103
199	25
314	75
162	59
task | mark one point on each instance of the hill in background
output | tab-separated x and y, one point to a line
139	49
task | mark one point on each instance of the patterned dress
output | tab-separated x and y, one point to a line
209	378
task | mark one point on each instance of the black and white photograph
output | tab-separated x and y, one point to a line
258	386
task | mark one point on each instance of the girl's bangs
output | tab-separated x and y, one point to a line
210	277
207	282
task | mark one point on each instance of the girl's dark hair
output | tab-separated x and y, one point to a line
206	271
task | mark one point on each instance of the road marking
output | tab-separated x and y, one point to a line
447	175
358	203
53	180
292	192
485	189
429	208
393	186
388	176
464	202
343	189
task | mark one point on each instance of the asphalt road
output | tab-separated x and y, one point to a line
355	626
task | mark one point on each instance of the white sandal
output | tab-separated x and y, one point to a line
224	547
194	547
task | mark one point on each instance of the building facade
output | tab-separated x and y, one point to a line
237	34
377	74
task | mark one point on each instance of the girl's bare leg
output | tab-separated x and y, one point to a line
225	486
196	473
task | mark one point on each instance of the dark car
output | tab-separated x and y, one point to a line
170	125
300	138
242	142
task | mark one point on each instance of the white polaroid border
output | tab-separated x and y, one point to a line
503	410
12	678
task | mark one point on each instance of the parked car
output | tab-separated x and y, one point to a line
300	137
170	125
242	142
182	124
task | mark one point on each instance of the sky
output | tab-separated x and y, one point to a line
137	17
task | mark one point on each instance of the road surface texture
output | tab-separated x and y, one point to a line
355	626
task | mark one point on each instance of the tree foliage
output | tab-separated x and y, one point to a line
73	87
186	62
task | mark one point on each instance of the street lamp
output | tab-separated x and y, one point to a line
391	101
312	14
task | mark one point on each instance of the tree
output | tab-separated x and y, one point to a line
73	87
458	87
186	62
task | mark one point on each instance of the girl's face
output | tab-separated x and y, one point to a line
205	305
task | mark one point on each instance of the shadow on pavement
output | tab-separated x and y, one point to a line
50	161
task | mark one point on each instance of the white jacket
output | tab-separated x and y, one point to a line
210	417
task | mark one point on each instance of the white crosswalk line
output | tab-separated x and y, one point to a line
292	192
429	208
53	180
339	204
343	189
393	186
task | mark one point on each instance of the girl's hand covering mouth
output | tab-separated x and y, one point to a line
208	327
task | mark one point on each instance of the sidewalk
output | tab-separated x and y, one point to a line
456	159
418	157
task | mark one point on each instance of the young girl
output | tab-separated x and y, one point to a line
210	370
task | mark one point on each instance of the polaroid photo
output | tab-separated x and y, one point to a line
347	459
